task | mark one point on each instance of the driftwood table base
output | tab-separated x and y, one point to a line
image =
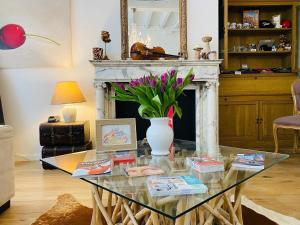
110	209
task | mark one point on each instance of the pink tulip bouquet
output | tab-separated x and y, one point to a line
155	94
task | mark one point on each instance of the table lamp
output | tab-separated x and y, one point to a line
67	93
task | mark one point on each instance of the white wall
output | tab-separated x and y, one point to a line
26	93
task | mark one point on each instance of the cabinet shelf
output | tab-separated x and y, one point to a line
260	53
270	30
256	75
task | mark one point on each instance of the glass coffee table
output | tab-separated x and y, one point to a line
118	198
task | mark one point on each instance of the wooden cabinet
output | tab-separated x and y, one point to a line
249	105
269	111
237	120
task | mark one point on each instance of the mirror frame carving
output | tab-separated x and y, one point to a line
182	27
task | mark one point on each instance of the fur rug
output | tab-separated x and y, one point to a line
68	211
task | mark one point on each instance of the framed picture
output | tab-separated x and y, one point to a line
251	17
116	134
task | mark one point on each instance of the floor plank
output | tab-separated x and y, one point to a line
36	190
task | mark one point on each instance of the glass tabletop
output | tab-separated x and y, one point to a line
135	188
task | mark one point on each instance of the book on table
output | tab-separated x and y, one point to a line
205	164
249	161
92	168
123	157
175	185
141	171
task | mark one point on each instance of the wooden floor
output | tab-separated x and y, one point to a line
36	190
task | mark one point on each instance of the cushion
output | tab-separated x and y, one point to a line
66	211
288	121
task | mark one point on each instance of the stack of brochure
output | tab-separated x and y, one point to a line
249	162
93	168
175	185
205	164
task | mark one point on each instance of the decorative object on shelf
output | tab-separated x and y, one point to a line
252	47
245	67
140	51
266	24
246	25
206	50
97	53
116	134
286	24
156	96
198	50
232	26
66	93
283	43
239	26
251	17
265	45
105	36
276	20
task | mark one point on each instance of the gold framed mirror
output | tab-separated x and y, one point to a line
147	21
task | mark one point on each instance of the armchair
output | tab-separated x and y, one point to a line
290	122
7	183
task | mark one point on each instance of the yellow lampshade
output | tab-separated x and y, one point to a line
67	92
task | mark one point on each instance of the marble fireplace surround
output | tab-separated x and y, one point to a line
205	85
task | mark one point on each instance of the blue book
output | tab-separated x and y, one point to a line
175	185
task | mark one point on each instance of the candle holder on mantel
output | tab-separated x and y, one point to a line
105	36
206	50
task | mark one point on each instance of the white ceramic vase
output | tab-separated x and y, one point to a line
160	136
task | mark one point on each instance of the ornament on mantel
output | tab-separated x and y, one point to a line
198	50
105	36
206	50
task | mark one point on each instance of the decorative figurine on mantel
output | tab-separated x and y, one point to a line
206	50
198	50
105	36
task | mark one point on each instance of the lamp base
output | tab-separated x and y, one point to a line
69	114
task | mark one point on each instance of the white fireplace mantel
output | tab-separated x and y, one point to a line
205	85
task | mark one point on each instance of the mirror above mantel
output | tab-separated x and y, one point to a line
154	23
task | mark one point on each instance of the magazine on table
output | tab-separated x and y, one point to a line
175	185
123	157
141	171
92	168
249	161
205	164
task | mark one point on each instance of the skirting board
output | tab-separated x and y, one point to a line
31	157
272	215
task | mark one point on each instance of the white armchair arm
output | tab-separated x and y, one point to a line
7	184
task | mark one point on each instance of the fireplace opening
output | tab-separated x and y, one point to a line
184	128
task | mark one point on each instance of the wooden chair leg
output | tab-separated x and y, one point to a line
275	133
296	140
